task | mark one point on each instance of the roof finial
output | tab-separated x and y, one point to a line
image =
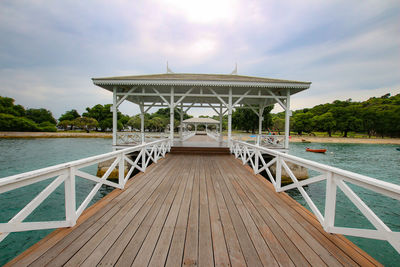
168	69
235	72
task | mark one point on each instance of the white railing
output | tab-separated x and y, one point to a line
66	173
129	138
187	134
135	138
335	178
213	134
267	141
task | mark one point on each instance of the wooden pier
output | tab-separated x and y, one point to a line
195	209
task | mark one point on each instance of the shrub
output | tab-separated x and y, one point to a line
9	122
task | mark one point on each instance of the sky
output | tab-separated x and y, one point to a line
50	50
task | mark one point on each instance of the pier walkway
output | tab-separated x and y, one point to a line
193	209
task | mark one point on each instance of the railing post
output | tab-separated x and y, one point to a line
121	171
330	201
144	158
278	173
256	155
70	197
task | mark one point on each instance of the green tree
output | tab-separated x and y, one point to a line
302	122
135	122
246	119
7	106
47	127
40	115
69	115
325	122
347	118
65	124
10	122
103	115
86	123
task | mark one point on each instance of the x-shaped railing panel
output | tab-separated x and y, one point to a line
334	177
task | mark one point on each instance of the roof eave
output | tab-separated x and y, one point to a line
302	85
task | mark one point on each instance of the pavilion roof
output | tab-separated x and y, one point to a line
201	89
201	120
198	77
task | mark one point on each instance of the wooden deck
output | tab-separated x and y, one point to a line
195	210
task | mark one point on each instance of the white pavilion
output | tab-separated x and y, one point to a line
219	92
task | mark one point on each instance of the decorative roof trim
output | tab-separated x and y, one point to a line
203	83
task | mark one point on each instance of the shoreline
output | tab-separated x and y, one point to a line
345	140
293	139
21	135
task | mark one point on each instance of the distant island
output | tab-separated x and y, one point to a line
375	117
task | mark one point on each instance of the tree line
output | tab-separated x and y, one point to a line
377	116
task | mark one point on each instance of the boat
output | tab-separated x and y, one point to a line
305	141
398	149
316	150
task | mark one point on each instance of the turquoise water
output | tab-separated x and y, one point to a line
22	155
377	161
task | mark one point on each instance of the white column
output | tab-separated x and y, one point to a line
206	127
287	119
181	126
142	122
171	116
230	116
260	119
220	122
114	110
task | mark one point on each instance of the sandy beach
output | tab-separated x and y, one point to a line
294	139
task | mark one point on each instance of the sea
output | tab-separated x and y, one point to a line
22	155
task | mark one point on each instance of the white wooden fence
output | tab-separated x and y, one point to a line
187	134
66	173
213	134
335	178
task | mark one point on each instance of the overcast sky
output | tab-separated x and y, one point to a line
50	50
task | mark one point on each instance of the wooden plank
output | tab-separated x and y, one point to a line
267	208
273	243
317	242
111	247
248	249
161	248
355	254
235	251
205	254
85	245
175	253
65	236
155	216
181	213
285	239
190	254
261	247
221	257
173	200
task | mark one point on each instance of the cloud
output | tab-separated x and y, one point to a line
50	50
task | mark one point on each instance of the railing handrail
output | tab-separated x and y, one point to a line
344	173
55	168
335	178
66	174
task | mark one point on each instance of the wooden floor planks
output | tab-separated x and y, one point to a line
206	210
